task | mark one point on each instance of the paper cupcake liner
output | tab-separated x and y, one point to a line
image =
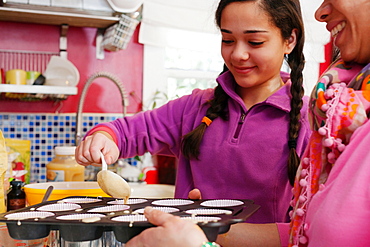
222	203
57	207
201	219
163	209
111	208
28	215
130	218
172	202
129	201
81	200
78	216
207	211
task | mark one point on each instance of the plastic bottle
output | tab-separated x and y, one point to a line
63	167
16	197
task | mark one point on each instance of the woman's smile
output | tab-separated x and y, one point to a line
337	29
336	32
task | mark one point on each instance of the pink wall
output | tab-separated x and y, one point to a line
103	95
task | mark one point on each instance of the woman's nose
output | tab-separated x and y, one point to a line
323	12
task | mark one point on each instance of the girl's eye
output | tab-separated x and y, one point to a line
227	41
255	43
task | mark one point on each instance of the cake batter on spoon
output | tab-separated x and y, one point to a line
112	183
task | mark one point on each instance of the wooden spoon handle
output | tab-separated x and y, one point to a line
103	163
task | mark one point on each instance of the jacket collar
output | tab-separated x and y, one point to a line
280	99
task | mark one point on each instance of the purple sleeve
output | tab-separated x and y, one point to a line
159	131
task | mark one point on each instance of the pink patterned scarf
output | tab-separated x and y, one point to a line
340	103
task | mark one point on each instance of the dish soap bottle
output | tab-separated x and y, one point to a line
16	197
64	168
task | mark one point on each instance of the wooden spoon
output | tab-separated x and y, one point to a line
47	193
112	183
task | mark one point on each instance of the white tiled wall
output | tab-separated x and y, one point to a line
45	131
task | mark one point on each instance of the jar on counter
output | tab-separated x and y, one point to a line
16	197
64	168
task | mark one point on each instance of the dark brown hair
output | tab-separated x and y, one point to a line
286	15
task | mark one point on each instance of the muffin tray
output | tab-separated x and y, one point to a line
86	218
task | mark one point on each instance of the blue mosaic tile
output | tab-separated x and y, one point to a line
45	132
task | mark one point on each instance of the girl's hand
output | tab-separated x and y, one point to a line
88	152
195	194
170	231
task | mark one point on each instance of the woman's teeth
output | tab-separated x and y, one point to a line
337	29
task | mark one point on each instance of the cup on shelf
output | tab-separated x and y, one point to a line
32	76
16	76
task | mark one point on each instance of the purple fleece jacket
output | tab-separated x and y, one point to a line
239	159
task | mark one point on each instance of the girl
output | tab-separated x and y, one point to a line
242	139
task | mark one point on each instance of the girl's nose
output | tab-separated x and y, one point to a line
323	12
240	52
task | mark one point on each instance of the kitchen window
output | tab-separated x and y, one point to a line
187	70
171	72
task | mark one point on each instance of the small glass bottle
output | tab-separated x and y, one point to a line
16	197
63	167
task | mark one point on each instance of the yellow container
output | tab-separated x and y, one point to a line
35	192
64	168
16	76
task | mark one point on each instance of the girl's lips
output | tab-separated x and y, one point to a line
243	70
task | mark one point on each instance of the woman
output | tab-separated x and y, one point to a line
332	192
246	135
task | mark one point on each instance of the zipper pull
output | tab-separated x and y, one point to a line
242	118
240	123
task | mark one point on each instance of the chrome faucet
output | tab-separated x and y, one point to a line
78	135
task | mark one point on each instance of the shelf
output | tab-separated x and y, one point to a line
57	15
34	89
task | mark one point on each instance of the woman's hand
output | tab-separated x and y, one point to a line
88	152
170	231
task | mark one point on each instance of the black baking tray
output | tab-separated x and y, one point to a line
77	230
